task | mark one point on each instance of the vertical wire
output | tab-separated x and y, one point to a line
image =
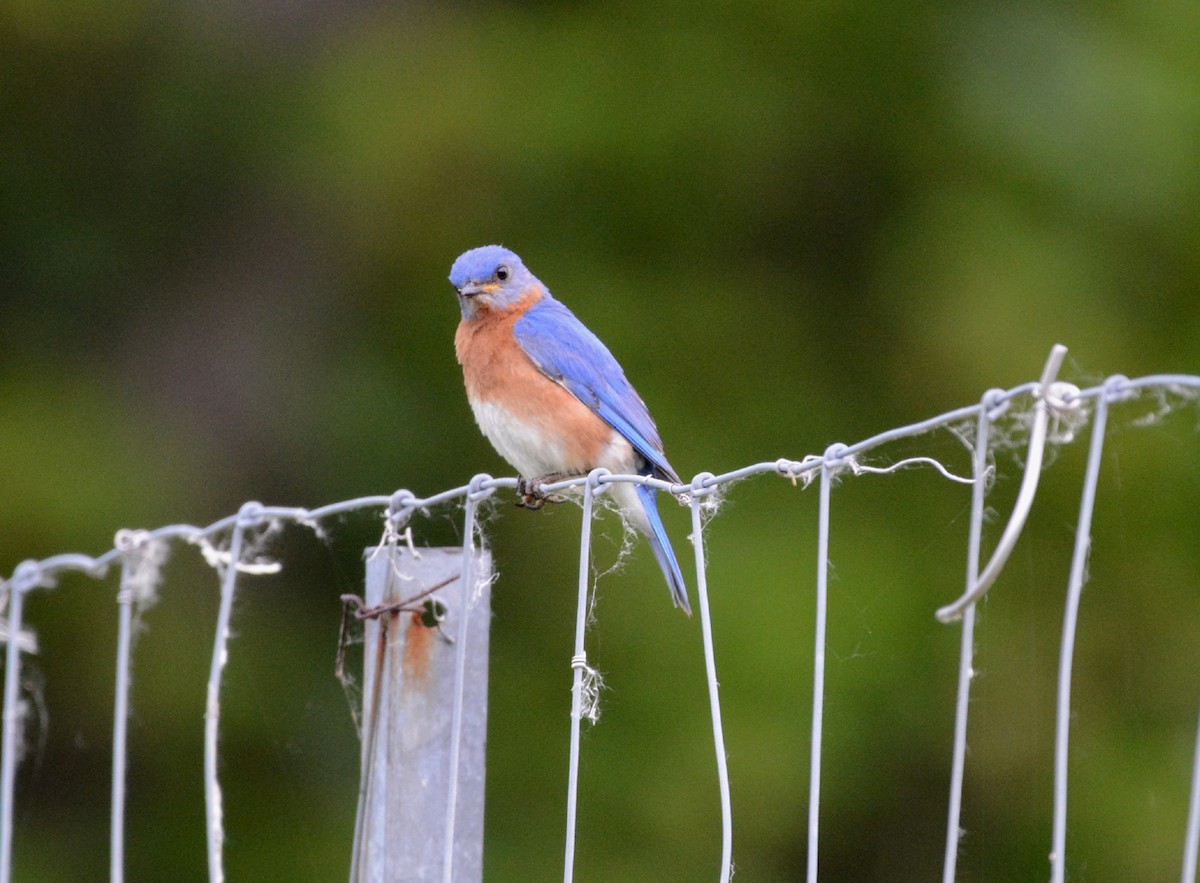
818	701
710	667
967	647
1079	558
212	713
467	579
365	816
125	598
1191	843
12	718
578	664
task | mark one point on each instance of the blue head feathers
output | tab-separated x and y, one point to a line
490	277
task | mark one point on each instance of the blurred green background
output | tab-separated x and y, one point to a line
224	237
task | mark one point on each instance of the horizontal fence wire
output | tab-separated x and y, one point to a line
1054	412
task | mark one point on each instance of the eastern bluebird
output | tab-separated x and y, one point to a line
549	395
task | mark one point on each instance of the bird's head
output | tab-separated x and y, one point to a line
490	278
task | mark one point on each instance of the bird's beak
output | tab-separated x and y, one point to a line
473	288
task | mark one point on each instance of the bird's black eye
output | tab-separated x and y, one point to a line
502	272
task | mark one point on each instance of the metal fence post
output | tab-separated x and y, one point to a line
408	712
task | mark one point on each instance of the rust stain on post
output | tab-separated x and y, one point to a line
418	644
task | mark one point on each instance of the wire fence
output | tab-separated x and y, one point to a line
1054	412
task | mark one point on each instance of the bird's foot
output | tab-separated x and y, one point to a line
531	493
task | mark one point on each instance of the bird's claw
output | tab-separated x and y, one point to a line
531	493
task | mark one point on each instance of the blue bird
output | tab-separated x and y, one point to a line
551	398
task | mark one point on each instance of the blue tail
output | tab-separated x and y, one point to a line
661	546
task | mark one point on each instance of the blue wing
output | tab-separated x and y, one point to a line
568	353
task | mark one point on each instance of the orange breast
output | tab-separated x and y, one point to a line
523	402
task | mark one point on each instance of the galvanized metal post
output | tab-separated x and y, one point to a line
409	697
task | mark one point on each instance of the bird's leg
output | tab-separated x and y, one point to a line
531	493
525	492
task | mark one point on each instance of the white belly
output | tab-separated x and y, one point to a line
534	453
527	450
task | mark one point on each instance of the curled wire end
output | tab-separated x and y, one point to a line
996	402
703	491
128	541
1065	405
590	687
800	471
142	557
703	484
1063	397
476	489
1117	388
597	478
401	506
250	515
836	460
28	575
788	469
